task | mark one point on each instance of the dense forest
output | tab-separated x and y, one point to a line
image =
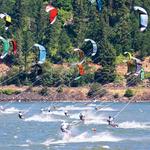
115	29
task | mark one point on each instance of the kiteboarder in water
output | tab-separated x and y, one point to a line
65	127
66	114
20	115
82	116
111	122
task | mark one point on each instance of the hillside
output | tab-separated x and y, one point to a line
4	69
46	49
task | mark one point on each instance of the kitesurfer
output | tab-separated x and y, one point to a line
82	116
65	127
20	115
49	109
96	108
66	113
111	122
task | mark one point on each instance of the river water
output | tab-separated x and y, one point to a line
41	130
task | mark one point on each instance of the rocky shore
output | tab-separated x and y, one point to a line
74	94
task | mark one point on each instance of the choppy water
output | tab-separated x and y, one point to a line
41	131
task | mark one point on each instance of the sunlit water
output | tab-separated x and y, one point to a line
41	131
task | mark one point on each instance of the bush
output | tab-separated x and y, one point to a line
44	91
96	90
87	78
15	76
147	75
57	76
17	92
65	76
128	93
119	79
105	75
120	59
9	92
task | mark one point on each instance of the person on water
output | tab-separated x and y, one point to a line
96	108
111	122
66	114
49	109
82	116
65	127
20	115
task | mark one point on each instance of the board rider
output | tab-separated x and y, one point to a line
111	122
66	113
20	115
82	116
65	127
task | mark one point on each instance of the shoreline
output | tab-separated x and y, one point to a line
27	98
75	101
64	101
73	94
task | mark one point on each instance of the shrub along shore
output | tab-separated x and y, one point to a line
109	93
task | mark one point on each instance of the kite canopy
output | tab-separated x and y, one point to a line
92	1
53	12
99	5
7	19
129	54
14	43
83	58
2	16
138	63
42	54
81	69
143	23
81	54
142	75
138	66
94	46
5	47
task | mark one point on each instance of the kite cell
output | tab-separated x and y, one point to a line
5	47
42	53
7	20
14	43
53	12
94	46
99	5
143	23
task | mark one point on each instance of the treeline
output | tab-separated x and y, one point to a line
115	30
